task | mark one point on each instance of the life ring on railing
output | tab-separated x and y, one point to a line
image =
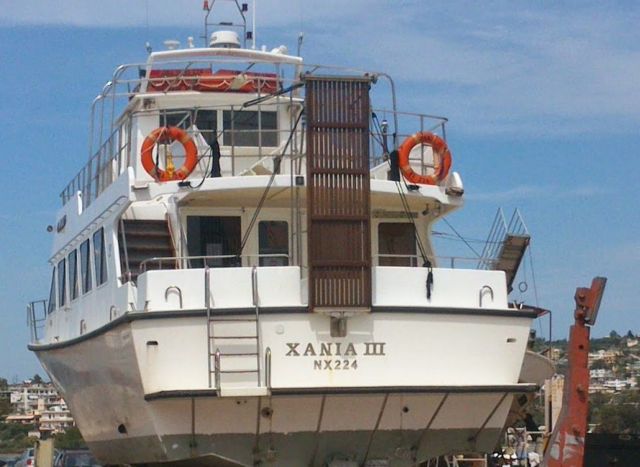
441	157
167	135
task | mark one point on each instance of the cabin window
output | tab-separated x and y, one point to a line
273	243
99	257
214	240
85	266
72	259
205	120
62	285
52	292
242	128
396	244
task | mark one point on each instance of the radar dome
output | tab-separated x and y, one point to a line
225	39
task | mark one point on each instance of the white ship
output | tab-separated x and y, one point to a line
243	274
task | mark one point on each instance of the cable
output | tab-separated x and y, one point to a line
407	210
276	166
533	276
461	237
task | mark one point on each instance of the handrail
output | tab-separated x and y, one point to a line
130	80
36	316
451	259
161	259
267	368
256	304
217	356
207	305
481	294
173	287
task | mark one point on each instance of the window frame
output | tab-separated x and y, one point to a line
100	270
275	259
228	138
53	292
62	282
86	274
74	291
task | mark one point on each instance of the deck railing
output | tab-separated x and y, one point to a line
113	155
500	228
103	168
36	318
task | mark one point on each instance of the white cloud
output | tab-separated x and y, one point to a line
531	70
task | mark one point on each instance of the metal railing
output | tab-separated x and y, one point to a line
500	228
271	81
36	318
98	174
451	262
185	262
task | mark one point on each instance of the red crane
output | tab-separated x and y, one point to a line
566	445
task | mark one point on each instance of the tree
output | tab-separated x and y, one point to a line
5	407
37	379
71	439
630	335
4	384
614	335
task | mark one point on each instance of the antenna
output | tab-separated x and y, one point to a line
253	26
208	5
300	39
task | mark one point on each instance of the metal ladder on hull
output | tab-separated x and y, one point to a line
234	345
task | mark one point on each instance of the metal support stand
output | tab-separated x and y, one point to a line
566	445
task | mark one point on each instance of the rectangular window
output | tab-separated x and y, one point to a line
250	128
62	285
52	292
215	237
205	120
99	257
72	259
273	243
85	266
396	244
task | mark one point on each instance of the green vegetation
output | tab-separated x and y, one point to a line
72	439
616	413
14	437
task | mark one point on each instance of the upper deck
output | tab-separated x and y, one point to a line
248	102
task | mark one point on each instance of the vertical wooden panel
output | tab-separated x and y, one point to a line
339	234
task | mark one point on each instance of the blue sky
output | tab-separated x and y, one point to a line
543	101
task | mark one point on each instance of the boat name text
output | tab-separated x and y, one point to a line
347	350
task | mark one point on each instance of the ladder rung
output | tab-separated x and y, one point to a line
231	320
236	371
234	337
237	354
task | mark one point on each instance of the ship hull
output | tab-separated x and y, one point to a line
137	405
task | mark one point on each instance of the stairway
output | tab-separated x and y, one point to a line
510	256
505	246
141	240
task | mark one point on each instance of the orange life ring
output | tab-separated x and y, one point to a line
440	151
166	135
